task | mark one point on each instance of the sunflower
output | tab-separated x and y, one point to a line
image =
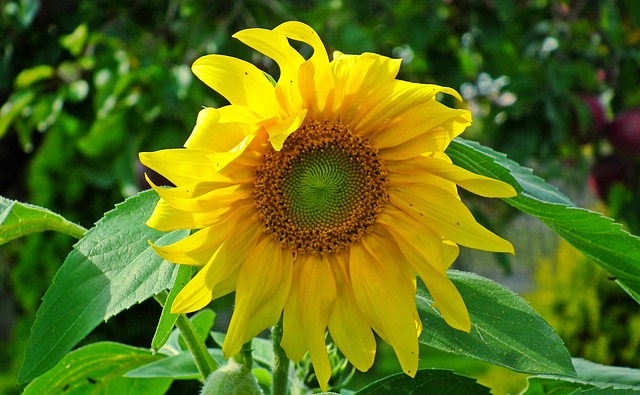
319	198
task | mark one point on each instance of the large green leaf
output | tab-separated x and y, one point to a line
591	376
109	270
506	331
177	367
597	237
426	381
98	369
607	376
20	219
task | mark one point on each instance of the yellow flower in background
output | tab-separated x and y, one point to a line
321	198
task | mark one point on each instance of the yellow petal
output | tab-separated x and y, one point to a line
430	258
446	297
181	166
276	46
213	134
239	82
417	241
197	293
357	77
451	252
387	297
221	159
437	139
316	299
293	339
221	268
414	122
197	249
166	218
409	172
226	286
480	185
388	101
320	92
278	132
446	216
262	289
348	327
204	196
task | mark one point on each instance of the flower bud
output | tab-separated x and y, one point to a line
231	379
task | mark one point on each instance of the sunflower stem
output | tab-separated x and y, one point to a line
245	358
204	361
280	363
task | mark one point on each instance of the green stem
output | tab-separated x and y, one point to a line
280	363
204	361
245	358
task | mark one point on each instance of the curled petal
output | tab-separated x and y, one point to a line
219	130
276	46
318	91
239	82
202	197
182	166
166	218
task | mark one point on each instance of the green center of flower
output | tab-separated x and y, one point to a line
321	185
322	191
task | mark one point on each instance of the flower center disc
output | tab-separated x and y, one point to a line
322	191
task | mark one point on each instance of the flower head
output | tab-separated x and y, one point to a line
321	198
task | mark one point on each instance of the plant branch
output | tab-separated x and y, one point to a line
280	362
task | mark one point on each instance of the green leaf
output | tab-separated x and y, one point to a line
177	367
596	236
14	106
98	369
506	331
606	391
606	376
75	41
538	385
109	270
426	381
28	77
592	376
20	219
168	320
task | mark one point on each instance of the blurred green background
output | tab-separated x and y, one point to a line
86	85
